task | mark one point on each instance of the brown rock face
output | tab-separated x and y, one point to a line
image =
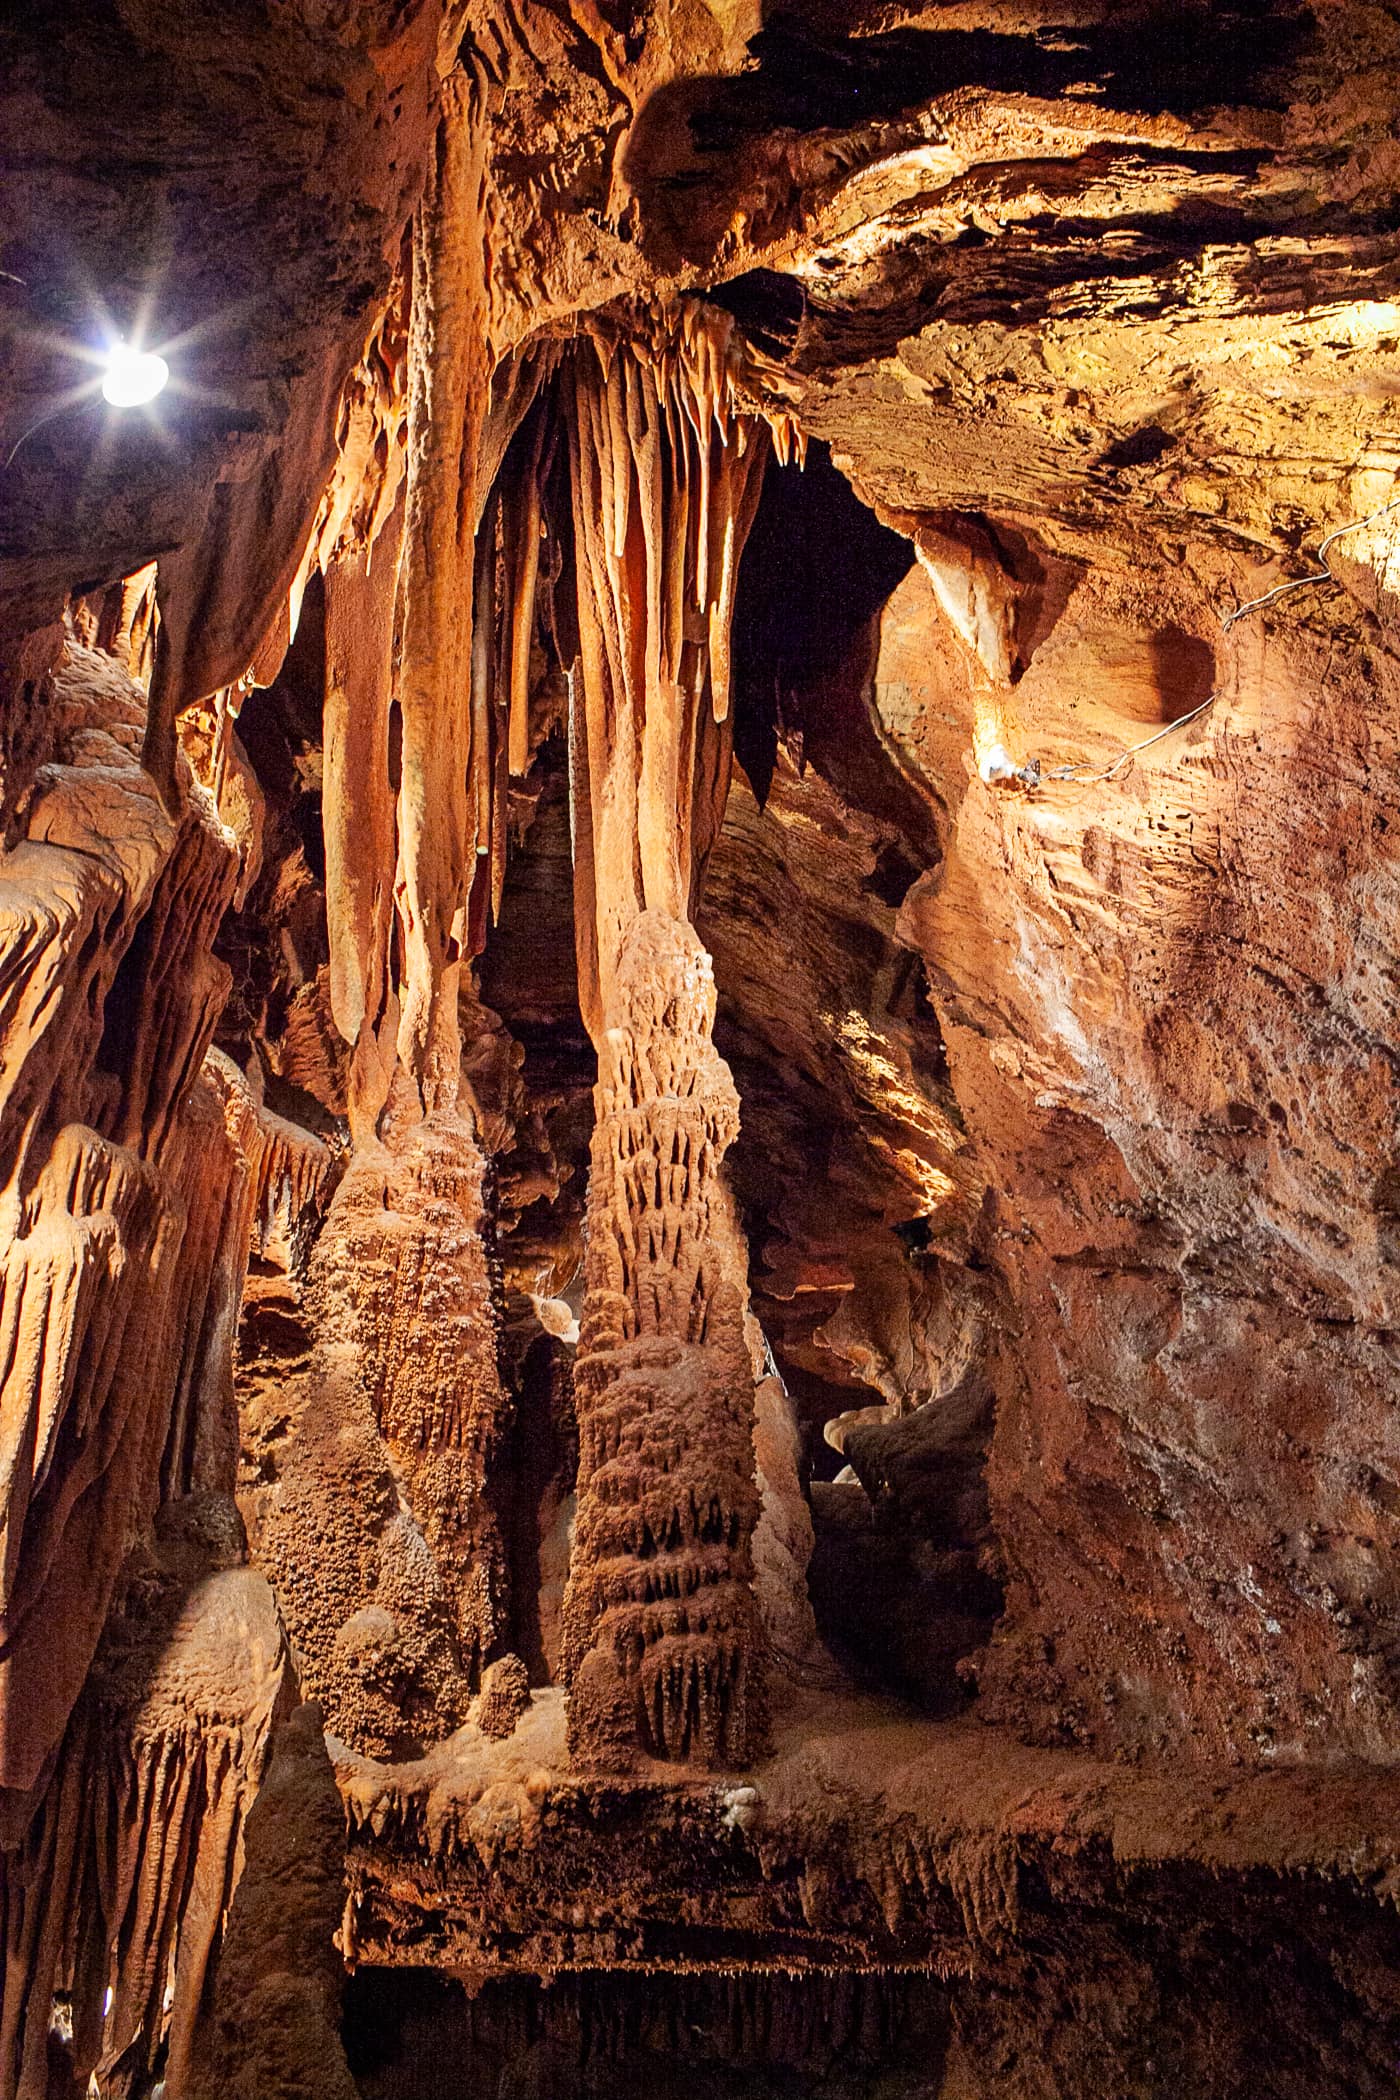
1185	1145
698	1092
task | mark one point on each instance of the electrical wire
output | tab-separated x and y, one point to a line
1031	775
38	423
1110	771
1321	575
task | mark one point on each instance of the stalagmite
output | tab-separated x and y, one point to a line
662	1632
377	1437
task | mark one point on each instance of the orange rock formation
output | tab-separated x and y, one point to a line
698	1090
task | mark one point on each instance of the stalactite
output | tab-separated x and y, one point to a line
408	760
358	816
430	613
124	626
666	479
449	374
357	544
517	449
523	582
201	1443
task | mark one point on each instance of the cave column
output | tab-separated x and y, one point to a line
662	1635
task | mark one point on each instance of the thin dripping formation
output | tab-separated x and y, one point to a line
666	475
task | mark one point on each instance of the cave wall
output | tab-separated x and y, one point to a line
124	1191
1164	1007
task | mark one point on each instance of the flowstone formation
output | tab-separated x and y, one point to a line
698	1078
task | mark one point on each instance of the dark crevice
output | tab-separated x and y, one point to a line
1160	59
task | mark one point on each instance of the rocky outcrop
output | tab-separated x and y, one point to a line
1181	1091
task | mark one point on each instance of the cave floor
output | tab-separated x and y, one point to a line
869	1838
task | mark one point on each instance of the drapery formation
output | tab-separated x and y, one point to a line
112	1907
119	1191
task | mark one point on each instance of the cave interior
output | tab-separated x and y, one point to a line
699	1050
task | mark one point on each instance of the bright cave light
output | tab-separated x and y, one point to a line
132	377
